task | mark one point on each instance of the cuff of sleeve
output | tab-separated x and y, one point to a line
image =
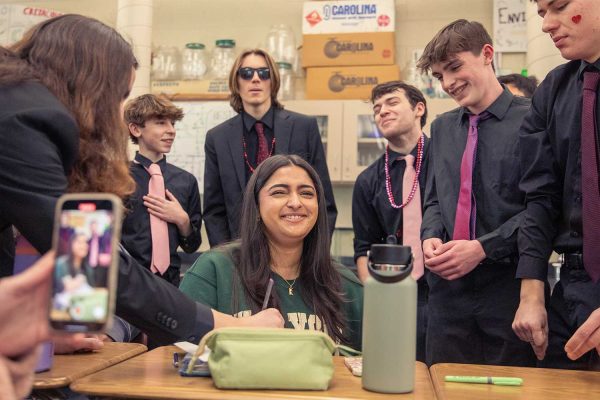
532	268
495	249
430	233
204	323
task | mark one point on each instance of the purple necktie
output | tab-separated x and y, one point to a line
464	223
263	152
589	177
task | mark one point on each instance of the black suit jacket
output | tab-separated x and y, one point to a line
39	142
225	174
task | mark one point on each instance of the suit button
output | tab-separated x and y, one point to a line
168	323
174	324
163	319
159	316
191	339
574	234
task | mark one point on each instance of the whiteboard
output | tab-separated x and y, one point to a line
188	149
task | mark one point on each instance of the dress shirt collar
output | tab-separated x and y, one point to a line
145	162
498	108
394	156
267	119
586	66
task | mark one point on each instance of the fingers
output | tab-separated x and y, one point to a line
540	343
171	197
70	343
38	275
444	247
585	338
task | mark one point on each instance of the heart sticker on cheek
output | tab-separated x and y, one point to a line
576	19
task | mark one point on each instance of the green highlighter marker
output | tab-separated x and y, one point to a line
492	380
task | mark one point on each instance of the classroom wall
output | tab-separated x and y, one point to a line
177	22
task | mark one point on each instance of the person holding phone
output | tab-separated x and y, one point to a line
61	129
284	237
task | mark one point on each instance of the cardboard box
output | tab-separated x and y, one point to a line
376	48
205	89
348	16
347	82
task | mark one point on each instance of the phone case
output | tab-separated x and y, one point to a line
112	274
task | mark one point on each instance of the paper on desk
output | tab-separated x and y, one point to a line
191	349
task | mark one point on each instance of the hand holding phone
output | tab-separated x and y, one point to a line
86	237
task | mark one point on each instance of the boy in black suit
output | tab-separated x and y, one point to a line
262	128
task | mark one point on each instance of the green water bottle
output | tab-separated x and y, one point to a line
389	321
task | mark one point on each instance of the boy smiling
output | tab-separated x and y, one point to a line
472	206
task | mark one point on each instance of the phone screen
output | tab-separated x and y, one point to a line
84	255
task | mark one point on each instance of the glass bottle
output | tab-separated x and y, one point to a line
193	63
223	57
280	43
166	63
286	88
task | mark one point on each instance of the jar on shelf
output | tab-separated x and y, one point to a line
193	61
280	43
223	57
286	88
166	63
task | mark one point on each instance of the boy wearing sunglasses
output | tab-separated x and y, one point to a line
262	128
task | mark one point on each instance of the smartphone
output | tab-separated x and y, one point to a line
87	231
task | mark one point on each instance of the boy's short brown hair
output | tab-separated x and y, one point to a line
458	36
148	106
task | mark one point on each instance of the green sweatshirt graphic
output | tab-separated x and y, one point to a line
210	281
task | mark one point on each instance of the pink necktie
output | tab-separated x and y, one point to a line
464	223
589	177
158	227
411	216
263	151
94	251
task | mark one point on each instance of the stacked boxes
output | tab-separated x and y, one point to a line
348	47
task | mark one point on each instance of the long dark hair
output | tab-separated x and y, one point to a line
321	282
88	66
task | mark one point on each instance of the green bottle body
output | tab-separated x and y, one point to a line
389	336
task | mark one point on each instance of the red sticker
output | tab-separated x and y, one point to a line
576	19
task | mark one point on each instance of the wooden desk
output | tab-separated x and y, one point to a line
66	368
538	383
153	376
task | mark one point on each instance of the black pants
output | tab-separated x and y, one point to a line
470	319
574	298
422	296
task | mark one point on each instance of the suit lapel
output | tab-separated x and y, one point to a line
234	140
283	131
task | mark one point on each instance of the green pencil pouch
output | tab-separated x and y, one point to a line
262	358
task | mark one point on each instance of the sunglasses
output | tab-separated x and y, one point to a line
247	73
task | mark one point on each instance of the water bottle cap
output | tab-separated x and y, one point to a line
389	263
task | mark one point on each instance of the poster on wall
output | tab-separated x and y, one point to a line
16	19
510	27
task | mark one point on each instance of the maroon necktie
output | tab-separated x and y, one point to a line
589	177
263	151
464	222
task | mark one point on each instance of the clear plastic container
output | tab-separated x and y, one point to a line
166	63
193	61
223	57
286	88
281	44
